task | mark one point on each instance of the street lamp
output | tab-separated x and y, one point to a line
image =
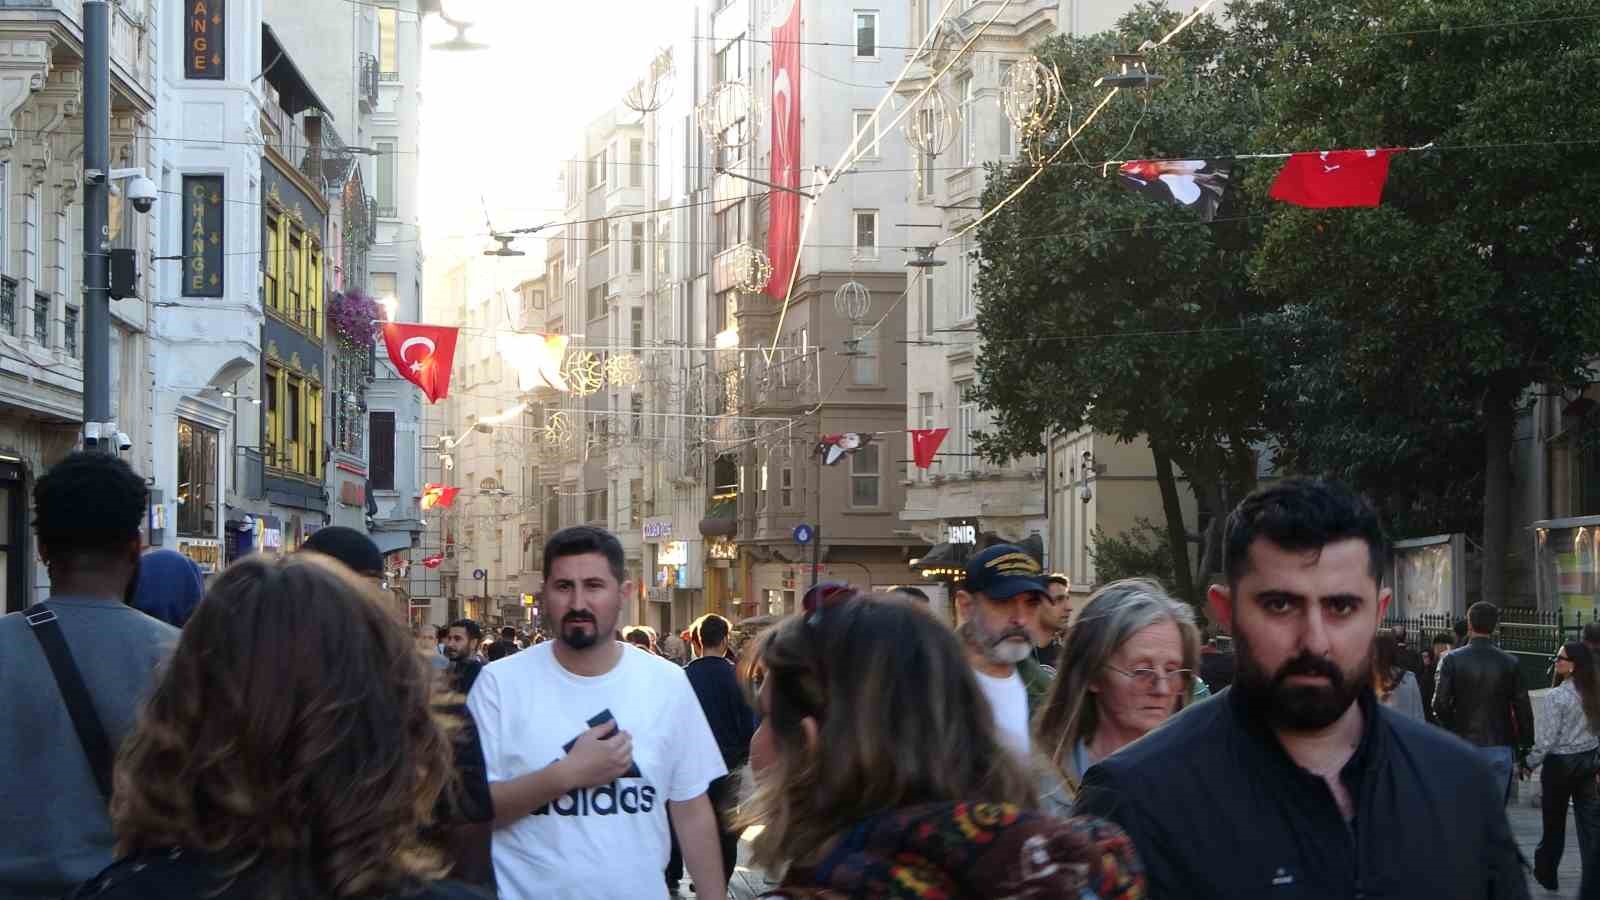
462	14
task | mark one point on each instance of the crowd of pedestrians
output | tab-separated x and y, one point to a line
280	735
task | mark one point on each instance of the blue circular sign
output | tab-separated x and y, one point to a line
479	574
802	534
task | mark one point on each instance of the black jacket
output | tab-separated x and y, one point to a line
732	721
192	875
1480	696
1218	811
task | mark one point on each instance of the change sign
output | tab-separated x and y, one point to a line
205	39
202	236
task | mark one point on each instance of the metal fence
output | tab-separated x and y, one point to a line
1532	635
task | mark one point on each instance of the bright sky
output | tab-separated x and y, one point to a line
498	123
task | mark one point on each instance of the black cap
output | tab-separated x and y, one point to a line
1004	570
349	546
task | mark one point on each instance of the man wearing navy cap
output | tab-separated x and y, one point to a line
999	607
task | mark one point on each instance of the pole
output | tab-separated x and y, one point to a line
96	233
816	532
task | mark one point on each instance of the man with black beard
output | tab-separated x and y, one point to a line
1000	606
595	753
1296	782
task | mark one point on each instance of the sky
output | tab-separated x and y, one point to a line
497	123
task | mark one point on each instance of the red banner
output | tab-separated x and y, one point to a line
423	355
783	232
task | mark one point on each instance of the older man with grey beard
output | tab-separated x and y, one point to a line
1000	604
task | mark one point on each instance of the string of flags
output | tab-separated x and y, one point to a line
1318	179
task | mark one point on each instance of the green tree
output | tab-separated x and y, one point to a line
1101	308
1433	315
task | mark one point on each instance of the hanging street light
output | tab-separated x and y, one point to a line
461	15
1131	74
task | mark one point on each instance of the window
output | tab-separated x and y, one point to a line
865	359
865	129
969	271
313	288
930	14
636	326
596	506
727	310
729	62
636	163
197	480
388	41
291	273
70	336
866	35
966	424
380	456
314	436
597	170
761	486
294	459
41	319
293	439
595	305
969	108
786	487
866	234
1008	134
930	318
728	225
925	410
864	478
5	216
636	248
384	285
274	266
636	417
388	205
350	401
272	440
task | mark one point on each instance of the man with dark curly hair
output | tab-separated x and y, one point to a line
87	511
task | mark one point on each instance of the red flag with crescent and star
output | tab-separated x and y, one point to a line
783	233
438	495
423	355
434	561
925	445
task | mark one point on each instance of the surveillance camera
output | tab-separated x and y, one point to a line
142	193
124	443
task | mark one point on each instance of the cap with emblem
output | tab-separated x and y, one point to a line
1004	570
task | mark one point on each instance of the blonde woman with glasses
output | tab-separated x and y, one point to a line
1128	665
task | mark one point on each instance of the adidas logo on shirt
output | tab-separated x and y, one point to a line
607	799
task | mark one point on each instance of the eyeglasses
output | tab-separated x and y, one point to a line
1149	678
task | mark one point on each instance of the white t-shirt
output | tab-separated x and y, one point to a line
610	841
1009	700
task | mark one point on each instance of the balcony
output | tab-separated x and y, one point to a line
8	305
367	87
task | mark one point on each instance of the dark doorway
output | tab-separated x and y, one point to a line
14	543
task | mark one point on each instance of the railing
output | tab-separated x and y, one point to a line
70	336
8	305
1531	635
388	76
387	212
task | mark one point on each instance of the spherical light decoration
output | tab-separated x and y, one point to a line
729	104
557	429
624	369
582	373
931	127
750	268
1030	95
852	301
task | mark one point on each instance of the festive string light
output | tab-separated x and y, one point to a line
750	269
931	127
1030	96
558	429
653	91
852	301
624	370
726	113
582	373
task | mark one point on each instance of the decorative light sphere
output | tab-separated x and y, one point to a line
1030	95
931	128
624	369
557	429
724	107
750	268
582	373
852	301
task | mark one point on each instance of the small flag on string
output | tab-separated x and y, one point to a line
1332	179
925	445
423	355
1197	184
438	495
833	447
433	562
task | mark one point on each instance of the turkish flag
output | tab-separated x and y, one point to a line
925	443
1334	178
433	562
783	206
438	495
423	355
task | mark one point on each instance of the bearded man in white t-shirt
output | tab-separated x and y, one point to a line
594	751
1000	605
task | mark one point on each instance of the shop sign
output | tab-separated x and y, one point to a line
723	549
202	236
205	39
352	493
205	554
961	532
271	538
673	553
656	529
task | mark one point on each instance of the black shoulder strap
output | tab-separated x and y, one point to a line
91	734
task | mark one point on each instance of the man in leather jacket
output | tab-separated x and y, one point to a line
1481	697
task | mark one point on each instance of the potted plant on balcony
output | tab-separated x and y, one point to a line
354	317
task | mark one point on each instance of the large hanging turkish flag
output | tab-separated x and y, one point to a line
783	232
925	445
1334	178
423	355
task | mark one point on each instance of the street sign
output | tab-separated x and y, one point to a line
802	534
479	574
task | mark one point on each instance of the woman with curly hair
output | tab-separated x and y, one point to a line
290	750
879	771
